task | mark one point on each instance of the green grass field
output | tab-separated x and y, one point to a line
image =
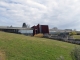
76	36
20	47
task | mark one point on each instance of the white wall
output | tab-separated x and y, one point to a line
26	31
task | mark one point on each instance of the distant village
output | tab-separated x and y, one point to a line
54	33
27	30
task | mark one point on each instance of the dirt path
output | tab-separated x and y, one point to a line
2	55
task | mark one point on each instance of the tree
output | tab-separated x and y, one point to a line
28	26
24	25
72	33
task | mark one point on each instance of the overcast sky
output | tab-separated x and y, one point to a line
63	14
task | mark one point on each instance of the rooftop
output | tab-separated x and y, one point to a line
7	27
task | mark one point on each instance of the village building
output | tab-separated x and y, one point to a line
27	31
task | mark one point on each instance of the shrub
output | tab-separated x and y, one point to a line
75	53
72	33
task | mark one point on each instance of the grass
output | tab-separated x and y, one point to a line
20	47
76	36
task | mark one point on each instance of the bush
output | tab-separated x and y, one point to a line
72	33
38	35
75	53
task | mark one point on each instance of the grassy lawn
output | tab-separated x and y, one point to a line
20	47
76	36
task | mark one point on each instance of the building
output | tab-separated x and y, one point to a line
18	30
56	30
27	31
40	29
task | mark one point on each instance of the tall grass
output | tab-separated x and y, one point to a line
75	54
20	47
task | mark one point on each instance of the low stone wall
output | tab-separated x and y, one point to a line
73	41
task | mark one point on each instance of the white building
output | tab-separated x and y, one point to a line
26	31
56	30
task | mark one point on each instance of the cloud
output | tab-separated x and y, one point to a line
56	13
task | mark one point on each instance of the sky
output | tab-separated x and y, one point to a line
63	14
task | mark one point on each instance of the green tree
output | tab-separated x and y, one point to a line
72	33
24	25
